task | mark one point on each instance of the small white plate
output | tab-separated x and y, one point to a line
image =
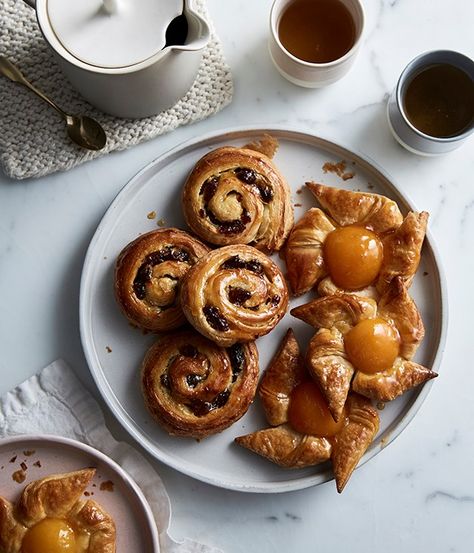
114	350
120	496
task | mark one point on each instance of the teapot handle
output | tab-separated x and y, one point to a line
31	3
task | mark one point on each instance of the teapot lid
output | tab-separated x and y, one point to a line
112	33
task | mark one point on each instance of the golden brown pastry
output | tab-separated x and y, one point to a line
304	251
285	371
358	245
234	294
148	273
347	207
238	196
50	516
358	432
374	343
402	251
307	434
193	387
287	447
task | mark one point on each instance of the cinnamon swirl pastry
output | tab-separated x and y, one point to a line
195	388
148	273
50	516
234	294
238	196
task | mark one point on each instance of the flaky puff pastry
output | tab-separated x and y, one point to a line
195	388
234	294
58	497
148	274
238	196
401	239
327	360
289	448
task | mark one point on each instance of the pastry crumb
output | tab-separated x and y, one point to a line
339	169
300	190
151	215
370	186
425	273
161	222
298	205
107	486
19	476
13	459
380	405
29	453
23	466
37	464
108	349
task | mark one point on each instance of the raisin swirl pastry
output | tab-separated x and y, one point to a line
238	196
195	388
234	294
51	516
148	273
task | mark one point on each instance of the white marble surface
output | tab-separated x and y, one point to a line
418	494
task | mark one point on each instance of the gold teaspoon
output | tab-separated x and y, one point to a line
82	130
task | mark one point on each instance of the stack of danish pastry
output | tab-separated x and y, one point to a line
356	251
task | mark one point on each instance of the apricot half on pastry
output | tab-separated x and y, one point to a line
355	241
364	345
51	517
306	433
238	196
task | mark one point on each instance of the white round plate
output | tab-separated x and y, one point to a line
114	350
122	499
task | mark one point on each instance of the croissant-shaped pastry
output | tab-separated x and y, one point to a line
384	386
51	516
193	387
287	447
378	342
402	251
304	251
148	273
362	425
359	246
330	368
234	294
238	196
285	371
347	207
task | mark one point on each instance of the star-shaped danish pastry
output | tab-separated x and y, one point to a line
364	346
51	517
303	432
358	242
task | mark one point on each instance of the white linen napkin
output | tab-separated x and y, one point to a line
55	402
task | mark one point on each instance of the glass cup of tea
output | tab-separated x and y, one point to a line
431	110
313	43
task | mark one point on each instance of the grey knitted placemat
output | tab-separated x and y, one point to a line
33	140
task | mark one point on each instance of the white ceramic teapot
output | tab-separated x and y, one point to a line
129	58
